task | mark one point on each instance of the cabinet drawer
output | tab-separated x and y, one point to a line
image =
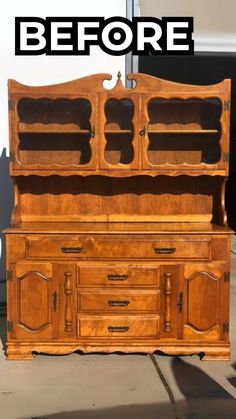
121	301
118	326
118	275
122	247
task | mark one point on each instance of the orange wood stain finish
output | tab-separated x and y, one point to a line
118	237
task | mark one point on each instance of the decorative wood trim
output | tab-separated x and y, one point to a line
194	218
209	274
213	352
192	332
162	169
68	306
33	273
95	82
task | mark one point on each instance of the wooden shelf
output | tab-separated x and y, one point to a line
118	131
42	226
51	128
64	170
182	131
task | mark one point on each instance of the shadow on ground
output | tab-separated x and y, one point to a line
151	411
203	398
232	380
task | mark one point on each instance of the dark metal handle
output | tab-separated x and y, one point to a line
164	250
143	131
54	301
121	303
117	277
180	302
72	249
93	132
120	329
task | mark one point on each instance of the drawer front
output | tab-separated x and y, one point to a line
121	301
118	326
118	275
118	248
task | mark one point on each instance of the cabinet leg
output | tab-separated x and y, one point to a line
219	355
19	353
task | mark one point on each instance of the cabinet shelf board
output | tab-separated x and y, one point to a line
51	128
118	131
182	131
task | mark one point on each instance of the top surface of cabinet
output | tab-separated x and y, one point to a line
157	127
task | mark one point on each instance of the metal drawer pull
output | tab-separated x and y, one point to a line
180	302
54	301
117	277
121	303
72	249
164	250
121	329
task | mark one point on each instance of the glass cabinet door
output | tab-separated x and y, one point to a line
119	132
52	133
182	132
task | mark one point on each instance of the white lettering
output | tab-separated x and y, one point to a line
82	36
153	39
55	36
117	25
171	36
25	36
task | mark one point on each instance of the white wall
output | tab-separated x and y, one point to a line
214	20
40	70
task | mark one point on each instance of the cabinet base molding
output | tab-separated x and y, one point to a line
26	351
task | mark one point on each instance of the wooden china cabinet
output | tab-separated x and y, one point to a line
118	239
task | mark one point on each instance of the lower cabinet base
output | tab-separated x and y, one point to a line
27	351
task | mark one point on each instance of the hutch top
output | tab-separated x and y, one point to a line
171	135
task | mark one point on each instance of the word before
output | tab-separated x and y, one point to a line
115	36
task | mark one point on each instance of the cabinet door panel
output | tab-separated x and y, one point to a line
183	132
204	286
55	133
119	131
33	296
203	295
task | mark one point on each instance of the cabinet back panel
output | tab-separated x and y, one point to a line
137	198
178	149
180	113
56	148
46	111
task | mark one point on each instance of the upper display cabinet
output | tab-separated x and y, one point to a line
80	127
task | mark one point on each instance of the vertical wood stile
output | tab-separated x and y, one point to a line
223	214
68	307
167	292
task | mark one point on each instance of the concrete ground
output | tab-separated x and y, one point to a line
115	386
